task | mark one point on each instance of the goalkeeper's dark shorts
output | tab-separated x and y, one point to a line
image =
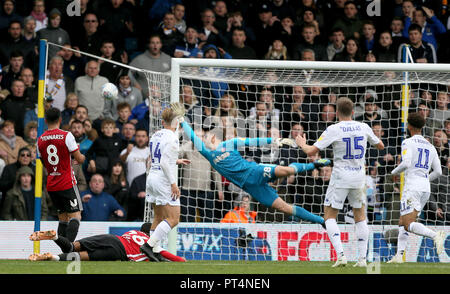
106	247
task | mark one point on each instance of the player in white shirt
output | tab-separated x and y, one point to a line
418	157
161	184
348	179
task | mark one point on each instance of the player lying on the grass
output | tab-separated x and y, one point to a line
418	157
105	247
251	177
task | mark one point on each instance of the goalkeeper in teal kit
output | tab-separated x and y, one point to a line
251	177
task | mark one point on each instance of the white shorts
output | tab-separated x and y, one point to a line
413	200
335	197
159	192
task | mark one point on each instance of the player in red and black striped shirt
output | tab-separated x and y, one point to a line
56	149
105	247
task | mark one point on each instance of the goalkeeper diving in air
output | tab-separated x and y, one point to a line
251	177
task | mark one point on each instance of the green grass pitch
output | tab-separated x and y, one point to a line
215	267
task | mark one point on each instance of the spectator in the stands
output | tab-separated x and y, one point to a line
191	105
327	117
170	36
421	51
12	71
190	45
38	13
277	51
16	105
105	149
441	113
19	201
29	30
107	69
309	42
368	40
179	11
127	94
70	105
73	62
309	18
152	59
99	205
78	131
136	198
116	20
208	32
236	20
31	89
212	91
10	143
267	28
88	90
352	52
54	33
351	22
135	155
337	44
8	176
90	131
430	124
90	40
440	142
58	85
221	13
123	112
385	50
241	213
30	132
238	49
397	32
127	134
8	14
431	29
439	203
116	183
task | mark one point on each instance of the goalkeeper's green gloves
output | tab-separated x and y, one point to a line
284	141
179	111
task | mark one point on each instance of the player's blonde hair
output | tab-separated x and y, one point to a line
344	106
168	115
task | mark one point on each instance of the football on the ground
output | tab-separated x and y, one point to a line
109	91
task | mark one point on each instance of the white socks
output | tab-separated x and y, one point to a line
160	233
362	235
335	236
402	240
420	229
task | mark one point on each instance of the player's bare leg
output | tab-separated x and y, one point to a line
171	216
334	234
362	235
